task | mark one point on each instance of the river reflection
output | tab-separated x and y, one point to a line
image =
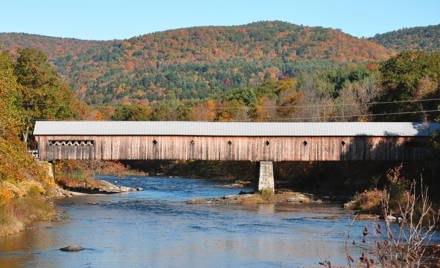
156	228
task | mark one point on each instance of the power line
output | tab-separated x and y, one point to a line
351	116
319	117
336	105
274	106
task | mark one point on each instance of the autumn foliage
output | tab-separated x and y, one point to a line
195	63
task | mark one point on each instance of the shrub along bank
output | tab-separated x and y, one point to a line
25	188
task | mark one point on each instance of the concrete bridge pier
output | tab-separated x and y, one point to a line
266	181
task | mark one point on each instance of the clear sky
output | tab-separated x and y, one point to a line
111	19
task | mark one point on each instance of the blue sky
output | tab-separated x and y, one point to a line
111	19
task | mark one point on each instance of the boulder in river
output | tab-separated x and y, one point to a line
72	248
366	217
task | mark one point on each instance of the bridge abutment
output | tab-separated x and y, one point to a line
266	181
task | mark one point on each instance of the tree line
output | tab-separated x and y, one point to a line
402	88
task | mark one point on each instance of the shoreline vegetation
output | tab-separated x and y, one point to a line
28	201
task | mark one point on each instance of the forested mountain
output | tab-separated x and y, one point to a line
194	63
420	38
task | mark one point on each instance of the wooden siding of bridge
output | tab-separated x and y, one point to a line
236	148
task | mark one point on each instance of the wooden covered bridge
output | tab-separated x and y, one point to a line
264	142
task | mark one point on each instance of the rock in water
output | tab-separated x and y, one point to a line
72	248
390	218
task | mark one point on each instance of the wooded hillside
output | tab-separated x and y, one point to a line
194	63
420	38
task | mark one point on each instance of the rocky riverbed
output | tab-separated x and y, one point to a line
250	198
284	197
98	187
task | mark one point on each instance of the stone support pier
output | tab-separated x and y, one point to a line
266	180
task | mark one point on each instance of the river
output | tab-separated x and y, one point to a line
156	228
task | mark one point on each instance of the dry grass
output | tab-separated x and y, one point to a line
73	174
102	167
369	200
17	213
406	244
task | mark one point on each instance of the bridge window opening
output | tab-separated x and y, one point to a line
229	142
343	143
154	142
267	143
70	143
305	143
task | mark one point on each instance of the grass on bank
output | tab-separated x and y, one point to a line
78	174
398	192
25	188
18	213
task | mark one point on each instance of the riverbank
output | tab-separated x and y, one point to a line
26	189
24	203
95	186
78	176
17	214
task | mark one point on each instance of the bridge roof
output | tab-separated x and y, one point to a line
227	129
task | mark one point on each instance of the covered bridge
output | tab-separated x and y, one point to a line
250	141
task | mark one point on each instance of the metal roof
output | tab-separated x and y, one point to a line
251	129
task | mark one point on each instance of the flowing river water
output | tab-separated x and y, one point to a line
156	228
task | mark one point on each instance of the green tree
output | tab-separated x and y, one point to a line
244	95
132	112
163	111
183	112
234	110
10	114
42	93
408	78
